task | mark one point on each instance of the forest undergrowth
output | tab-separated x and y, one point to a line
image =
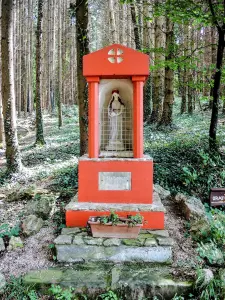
182	161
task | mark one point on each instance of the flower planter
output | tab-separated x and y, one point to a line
110	230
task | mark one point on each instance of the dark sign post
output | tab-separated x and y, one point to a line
217	197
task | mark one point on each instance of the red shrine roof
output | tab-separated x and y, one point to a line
116	60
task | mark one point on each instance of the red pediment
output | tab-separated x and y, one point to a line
116	60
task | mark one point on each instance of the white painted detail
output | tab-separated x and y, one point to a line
114	181
115	56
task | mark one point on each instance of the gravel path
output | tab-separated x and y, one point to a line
35	255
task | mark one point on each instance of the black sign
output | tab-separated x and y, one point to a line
217	197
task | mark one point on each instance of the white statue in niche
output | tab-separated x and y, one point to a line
116	109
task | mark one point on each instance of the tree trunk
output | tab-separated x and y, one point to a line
29	58
158	74
8	91
207	61
129	27
190	72
2	134
135	26
124	25
39	121
53	56
140	14
185	74
19	66
59	100
23	59
147	46
216	89
63	37
169	76
213	51
82	49
48	65
112	22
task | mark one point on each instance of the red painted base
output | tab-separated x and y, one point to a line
153	219
141	180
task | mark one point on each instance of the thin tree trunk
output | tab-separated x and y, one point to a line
2	134
48	66
39	121
147	46
63	34
216	90
140	13
31	96
169	76
19	94
82	49
23	58
29	57
207	61
8	91
124	25
213	51
53	55
59	100
158	74
185	74
135	26
112	22
190	73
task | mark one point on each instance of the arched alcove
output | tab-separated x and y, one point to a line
125	87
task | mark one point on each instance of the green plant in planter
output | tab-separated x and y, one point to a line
136	219
112	218
115	219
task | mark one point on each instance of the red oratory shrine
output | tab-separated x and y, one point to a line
115	175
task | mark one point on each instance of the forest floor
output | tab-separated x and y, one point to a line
53	168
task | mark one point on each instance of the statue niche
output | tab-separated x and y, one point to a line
116	118
116	109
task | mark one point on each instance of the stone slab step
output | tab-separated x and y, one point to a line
130	281
74	253
74	245
78	213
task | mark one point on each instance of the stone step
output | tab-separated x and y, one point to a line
78	213
75	245
130	281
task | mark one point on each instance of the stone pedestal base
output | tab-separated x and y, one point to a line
116	146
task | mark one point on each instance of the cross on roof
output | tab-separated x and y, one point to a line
115	55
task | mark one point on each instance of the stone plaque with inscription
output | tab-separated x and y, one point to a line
114	181
217	197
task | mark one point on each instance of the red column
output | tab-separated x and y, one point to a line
93	132
138	83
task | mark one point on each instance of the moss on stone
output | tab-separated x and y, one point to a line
133	242
43	276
